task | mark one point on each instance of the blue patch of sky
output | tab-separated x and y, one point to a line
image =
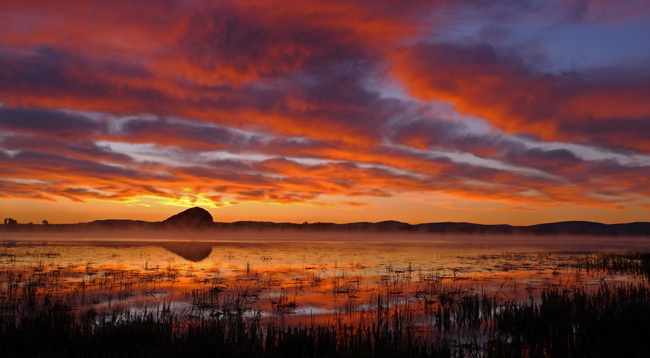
587	46
551	45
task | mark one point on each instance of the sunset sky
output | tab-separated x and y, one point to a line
513	111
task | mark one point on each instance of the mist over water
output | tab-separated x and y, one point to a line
443	242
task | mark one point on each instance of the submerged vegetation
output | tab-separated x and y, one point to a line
568	305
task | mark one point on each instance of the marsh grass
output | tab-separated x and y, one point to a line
112	312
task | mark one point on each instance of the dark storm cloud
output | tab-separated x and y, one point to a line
228	43
81	149
72	165
51	122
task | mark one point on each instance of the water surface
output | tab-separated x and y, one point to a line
301	278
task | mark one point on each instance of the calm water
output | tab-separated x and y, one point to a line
305	278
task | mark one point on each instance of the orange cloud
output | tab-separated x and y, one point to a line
291	102
497	85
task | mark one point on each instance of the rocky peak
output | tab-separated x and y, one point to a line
194	217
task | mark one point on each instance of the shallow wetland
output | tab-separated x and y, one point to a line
319	296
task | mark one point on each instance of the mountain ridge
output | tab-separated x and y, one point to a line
200	219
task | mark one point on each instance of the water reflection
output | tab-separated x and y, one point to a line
194	252
458	293
296	279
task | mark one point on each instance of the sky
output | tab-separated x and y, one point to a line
485	111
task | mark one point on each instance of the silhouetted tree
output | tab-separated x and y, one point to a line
10	221
45	222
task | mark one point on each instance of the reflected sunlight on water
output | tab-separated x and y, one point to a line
294	279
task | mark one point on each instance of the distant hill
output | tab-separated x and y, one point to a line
191	218
200	219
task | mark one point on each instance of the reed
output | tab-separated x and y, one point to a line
408	314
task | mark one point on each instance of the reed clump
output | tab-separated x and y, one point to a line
113	312
612	321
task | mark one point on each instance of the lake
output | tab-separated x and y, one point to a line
445	287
